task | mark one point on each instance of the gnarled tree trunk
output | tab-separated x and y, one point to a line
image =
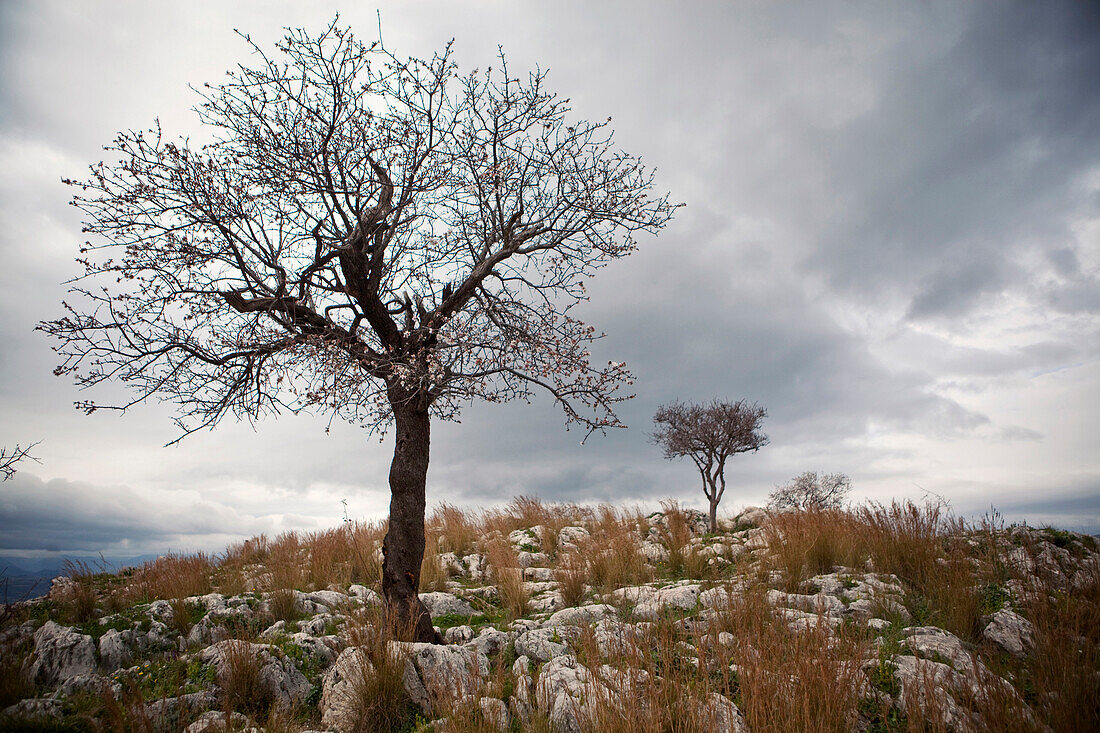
403	546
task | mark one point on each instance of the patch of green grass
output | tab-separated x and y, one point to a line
309	663
1059	537
847	583
882	678
160	678
919	609
994	597
882	719
96	628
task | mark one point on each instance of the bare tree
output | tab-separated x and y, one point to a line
379	238
709	434
11	456
810	491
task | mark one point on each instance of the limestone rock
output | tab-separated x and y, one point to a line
364	594
569	692
61	652
441	604
490	641
279	678
719	715
539	575
542	645
1010	631
34	708
676	598
580	615
441	671
495	714
215	721
570	536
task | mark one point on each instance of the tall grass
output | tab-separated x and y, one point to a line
788	680
457	532
508	576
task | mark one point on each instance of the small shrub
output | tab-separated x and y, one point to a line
811	492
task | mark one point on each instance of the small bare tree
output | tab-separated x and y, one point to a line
379	238
709	434
11	456
810	491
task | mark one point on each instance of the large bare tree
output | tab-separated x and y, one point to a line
709	434
377	237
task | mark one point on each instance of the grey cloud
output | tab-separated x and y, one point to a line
968	155
954	290
68	516
912	162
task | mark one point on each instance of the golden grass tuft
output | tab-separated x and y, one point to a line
241	683
806	680
508	576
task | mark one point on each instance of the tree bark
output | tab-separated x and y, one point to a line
403	546
714	514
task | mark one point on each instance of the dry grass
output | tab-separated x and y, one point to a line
526	511
656	685
180	620
172	576
283	605
807	680
328	558
241	685
932	554
1062	675
376	695
675	535
614	558
81	596
14	684
807	543
508	576
433	577
457	532
571	574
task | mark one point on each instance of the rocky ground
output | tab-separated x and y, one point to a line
572	619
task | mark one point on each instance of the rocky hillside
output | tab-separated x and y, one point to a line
568	618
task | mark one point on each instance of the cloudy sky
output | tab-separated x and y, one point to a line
891	240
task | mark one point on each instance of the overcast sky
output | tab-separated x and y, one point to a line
891	240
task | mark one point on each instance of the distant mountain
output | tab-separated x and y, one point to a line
24	576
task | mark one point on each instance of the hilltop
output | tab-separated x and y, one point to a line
572	618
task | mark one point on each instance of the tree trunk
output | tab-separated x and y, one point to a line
403	547
714	514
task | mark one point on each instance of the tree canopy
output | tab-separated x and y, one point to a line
379	238
709	434
360	228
